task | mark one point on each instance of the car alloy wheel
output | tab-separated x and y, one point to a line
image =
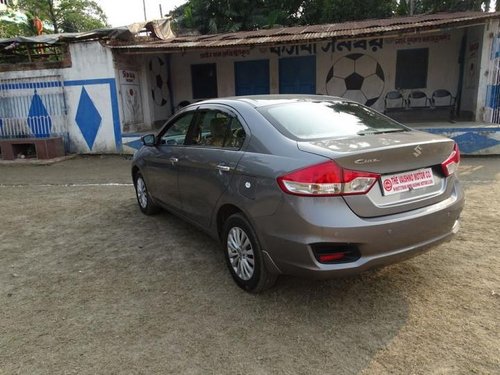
146	204
244	256
142	196
240	252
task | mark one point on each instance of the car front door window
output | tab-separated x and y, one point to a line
176	132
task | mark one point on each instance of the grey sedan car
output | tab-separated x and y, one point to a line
301	185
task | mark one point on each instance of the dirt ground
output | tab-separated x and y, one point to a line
89	285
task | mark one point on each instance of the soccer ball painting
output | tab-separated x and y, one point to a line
158	81
358	77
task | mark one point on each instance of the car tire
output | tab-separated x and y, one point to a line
146	204
244	256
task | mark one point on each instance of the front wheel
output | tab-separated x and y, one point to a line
146	204
244	256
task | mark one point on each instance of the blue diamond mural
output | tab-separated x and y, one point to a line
471	142
137	144
88	118
39	119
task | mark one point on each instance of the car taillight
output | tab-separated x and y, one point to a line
327	179
450	165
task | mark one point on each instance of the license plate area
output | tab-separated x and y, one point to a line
407	181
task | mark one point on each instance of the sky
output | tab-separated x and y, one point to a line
121	13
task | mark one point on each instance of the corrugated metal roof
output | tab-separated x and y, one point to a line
161	28
302	34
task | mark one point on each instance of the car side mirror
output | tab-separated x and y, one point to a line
148	140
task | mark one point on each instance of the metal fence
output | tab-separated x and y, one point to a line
492	112
33	107
492	108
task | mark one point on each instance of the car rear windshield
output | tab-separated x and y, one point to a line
324	119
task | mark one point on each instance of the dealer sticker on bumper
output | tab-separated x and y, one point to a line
401	182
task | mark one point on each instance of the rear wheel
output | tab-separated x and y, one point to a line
244	256
146	204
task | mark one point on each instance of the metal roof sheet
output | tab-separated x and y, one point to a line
161	28
301	34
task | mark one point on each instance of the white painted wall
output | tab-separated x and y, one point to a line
444	48
155	90
488	74
472	67
93	72
92	61
129	71
489	85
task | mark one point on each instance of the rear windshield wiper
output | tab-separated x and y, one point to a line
380	131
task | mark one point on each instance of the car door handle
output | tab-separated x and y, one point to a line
173	160
223	168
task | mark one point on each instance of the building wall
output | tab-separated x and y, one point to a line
144	91
156	73
90	94
107	95
335	57
472	66
489	84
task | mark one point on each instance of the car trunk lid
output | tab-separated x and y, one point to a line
408	162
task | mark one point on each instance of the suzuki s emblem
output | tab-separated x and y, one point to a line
417	151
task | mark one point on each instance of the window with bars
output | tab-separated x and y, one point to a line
411	68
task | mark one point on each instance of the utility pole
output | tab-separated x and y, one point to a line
144	7
161	11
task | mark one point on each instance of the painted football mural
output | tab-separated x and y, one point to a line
158	80
358	77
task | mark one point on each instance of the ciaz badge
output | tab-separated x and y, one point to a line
366	161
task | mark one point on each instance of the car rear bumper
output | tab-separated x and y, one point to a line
381	241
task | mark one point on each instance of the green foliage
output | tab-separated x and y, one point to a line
453	5
9	29
332	11
216	16
434	6
80	15
66	15
13	24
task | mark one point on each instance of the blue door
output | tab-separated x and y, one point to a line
251	77
298	75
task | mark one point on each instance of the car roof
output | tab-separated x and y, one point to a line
266	100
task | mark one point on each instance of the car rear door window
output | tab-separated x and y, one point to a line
237	135
216	129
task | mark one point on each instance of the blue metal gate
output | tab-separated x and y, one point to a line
33	107
251	77
492	110
298	75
